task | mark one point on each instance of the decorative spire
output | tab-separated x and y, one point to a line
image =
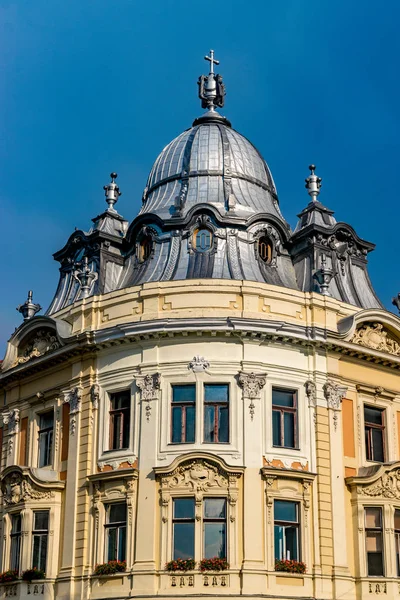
211	87
85	276
324	276
28	309
112	192
313	184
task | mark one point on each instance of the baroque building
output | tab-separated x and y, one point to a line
210	406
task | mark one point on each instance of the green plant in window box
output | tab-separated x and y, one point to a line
31	574
214	564
290	566
110	568
10	575
181	564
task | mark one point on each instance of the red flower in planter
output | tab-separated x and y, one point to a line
290	566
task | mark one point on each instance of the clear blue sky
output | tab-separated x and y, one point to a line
88	87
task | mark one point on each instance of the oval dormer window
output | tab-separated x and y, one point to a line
265	249
145	248
202	239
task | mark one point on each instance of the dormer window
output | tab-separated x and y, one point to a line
145	248
202	239
265	249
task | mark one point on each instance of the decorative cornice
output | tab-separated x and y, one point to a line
376	391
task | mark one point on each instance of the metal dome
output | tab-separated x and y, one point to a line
211	163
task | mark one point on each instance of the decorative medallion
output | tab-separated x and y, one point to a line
198	364
43	342
387	486
16	488
374	336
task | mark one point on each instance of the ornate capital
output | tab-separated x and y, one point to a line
251	384
149	386
334	395
11	418
95	395
74	398
311	392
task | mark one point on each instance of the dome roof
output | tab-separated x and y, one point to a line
214	164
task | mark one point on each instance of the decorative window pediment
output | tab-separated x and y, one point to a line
378	481
377	337
19	485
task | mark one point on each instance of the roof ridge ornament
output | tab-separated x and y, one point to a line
211	87
112	192
313	184
28	309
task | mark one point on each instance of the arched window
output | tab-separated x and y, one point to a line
202	239
145	248
265	249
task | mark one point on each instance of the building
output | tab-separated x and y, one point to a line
206	385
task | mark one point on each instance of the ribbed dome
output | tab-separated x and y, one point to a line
211	163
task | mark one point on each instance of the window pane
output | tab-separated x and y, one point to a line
223	424
209	412
215	540
373	517
176	424
291	534
397	519
276	428
374	541
121	543
16	523
125	432
288	421
183	393
112	544
375	564
183	540
203	240
15	552
216	393
46	420
190	423
283	398
116	421
41	521
39	551
184	508
120	400
214	508
117	513
285	511
377	444
279	542
373	415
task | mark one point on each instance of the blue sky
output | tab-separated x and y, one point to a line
95	86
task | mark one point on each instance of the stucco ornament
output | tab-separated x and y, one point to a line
374	336
43	342
311	392
74	398
149	386
11	418
252	384
95	395
198	364
16	488
387	486
334	395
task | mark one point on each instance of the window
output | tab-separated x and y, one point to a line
286	530
284	418
183	413
216	413
183	528
374	422
374	541
202	240
265	249
397	538
40	536
46	425
145	248
116	532
15	553
214	528
120	410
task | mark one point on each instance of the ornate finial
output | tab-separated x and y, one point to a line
211	87
396	301
112	192
313	184
324	276
28	309
85	276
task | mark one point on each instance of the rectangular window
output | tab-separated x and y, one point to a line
397	538
183	413
183	528
374	541
120	412
40	536
284	418
46	426
15	553
286	530
214	528
116	531
374	423
216	413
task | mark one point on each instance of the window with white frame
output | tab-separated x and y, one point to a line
40	537
115	530
374	541
374	425
183	417
286	530
46	432
15	545
119	415
284	418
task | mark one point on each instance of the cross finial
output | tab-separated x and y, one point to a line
212	60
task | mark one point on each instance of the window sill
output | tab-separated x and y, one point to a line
110	575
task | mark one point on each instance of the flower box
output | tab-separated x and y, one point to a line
30	574
110	568
180	564
214	564
290	566
8	576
